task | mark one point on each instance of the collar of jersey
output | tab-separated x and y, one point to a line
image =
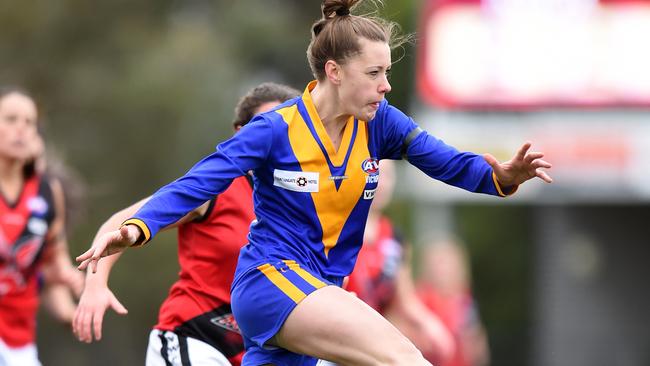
335	158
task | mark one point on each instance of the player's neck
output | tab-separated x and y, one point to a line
325	101
11	179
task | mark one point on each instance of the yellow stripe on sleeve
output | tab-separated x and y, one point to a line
282	283
498	187
143	227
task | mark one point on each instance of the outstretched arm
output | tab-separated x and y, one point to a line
245	151
170	205
109	241
399	136
96	297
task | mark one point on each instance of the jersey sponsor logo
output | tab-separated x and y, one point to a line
37	226
372	178
37	205
369	194
338	177
296	181
370	166
226	322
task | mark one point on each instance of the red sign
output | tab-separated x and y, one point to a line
514	54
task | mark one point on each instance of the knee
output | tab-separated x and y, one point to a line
386	352
405	354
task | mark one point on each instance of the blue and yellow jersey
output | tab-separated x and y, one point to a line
311	200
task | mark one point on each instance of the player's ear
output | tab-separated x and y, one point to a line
333	72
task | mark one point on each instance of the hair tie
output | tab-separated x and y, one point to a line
343	12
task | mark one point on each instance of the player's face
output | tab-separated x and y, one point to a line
17	126
364	79
445	267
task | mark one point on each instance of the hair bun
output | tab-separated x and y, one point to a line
342	11
337	8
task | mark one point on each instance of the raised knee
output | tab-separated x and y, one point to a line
406	354
398	351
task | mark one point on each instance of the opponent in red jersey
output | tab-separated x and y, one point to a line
382	276
195	323
32	236
57	296
445	287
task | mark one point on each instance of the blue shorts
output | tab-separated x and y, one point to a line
262	299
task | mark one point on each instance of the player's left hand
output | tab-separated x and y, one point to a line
523	166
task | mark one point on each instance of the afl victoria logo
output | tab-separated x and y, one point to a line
370	166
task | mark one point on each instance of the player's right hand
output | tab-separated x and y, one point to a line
89	315
110	243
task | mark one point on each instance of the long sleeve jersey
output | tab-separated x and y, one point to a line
311	200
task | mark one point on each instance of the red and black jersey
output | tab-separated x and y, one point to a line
375	273
198	304
24	226
457	313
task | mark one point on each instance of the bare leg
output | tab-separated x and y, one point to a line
334	325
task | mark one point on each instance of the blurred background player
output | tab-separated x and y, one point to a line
57	297
32	231
195	323
444	286
382	276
